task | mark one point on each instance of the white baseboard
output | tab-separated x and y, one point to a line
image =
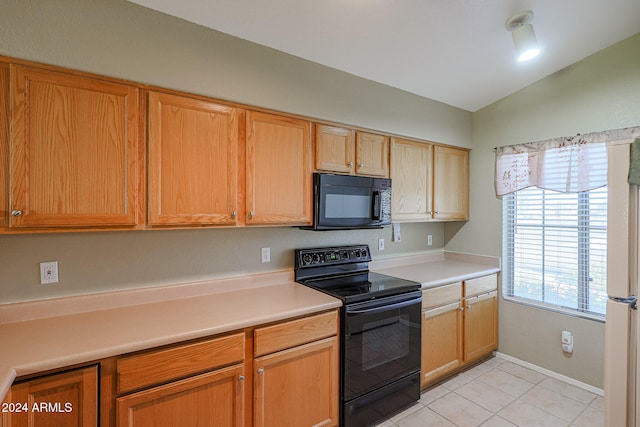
552	374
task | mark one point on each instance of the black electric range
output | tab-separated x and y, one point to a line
343	272
380	328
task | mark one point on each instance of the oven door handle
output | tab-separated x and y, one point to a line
385	307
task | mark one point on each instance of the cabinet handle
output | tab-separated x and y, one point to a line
251	214
260	371
241	378
461	309
360	165
16	212
350	164
234	214
437	212
468	306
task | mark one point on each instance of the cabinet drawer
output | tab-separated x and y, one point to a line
481	285
156	367
441	295
296	332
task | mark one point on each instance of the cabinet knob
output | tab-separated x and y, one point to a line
360	165
251	214
234	214
461	309
350	164
260	371
16	212
241	378
437	212
468	307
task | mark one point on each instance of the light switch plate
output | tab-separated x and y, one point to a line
265	254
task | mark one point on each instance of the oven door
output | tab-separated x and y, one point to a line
381	342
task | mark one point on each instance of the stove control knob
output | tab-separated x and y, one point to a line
316	258
306	259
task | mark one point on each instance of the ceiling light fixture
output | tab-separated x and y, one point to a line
524	39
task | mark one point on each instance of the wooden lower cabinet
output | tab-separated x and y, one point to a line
66	399
442	341
480	325
283	374
296	373
459	326
298	387
212	399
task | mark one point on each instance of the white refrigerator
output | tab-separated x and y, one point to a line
621	355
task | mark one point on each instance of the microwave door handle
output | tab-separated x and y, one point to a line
376	206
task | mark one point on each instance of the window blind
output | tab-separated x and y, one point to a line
555	249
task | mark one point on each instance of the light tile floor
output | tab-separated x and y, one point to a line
499	393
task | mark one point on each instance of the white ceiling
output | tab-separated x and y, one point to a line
454	51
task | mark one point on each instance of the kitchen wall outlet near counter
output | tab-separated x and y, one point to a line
48	272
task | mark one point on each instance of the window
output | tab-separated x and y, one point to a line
555	249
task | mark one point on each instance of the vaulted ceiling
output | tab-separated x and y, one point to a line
453	51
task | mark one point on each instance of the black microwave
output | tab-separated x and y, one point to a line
350	202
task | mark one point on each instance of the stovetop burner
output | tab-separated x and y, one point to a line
343	272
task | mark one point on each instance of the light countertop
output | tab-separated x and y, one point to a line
50	334
437	268
41	344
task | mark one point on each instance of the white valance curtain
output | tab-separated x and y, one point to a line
567	165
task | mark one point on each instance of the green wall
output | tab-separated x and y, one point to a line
120	39
596	94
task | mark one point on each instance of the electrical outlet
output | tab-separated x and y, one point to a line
48	272
429	239
381	244
266	255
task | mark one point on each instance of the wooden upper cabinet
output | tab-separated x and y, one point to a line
278	170
430	182
372	154
335	149
193	161
75	156
412	174
346	151
451	183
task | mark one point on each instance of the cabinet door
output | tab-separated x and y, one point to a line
193	161
441	341
62	400
335	149
4	145
480	325
412	177
451	183
215	398
298	387
279	170
372	154
75	158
